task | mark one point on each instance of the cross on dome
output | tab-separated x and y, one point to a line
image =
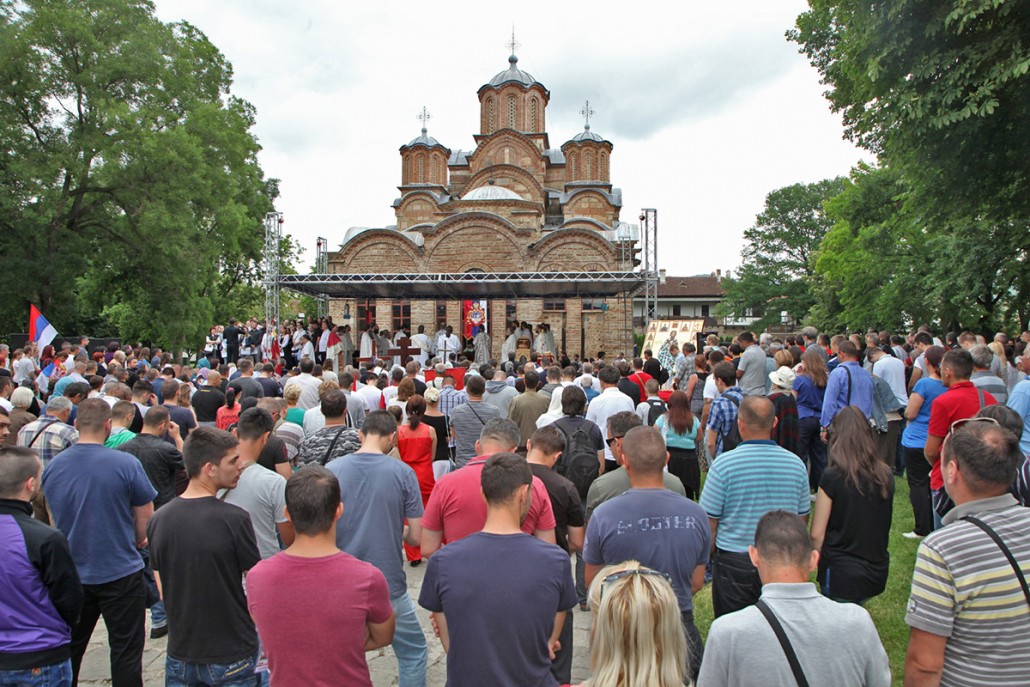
513	44
587	113
425	117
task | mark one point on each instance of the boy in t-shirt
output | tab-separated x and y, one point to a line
296	625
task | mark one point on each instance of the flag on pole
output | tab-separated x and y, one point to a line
43	380
40	331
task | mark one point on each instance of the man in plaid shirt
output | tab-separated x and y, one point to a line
723	414
450	398
51	433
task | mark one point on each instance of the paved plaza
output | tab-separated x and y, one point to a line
96	669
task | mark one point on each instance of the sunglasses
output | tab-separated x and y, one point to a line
611	440
959	424
622	574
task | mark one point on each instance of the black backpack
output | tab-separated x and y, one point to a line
731	439
579	461
656	408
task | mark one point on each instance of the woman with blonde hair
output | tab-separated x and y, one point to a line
636	638
1006	370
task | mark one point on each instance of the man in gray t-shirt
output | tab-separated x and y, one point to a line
751	370
467	422
262	493
835	643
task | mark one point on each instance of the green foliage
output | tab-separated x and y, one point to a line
778	261
131	195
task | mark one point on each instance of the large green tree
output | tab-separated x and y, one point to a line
939	89
128	172
778	266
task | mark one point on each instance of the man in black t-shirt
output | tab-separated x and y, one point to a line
255	428
268	382
544	449
231	335
208	400
200	547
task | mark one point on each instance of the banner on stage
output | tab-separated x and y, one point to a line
473	315
659	332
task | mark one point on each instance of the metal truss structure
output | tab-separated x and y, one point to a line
273	237
467	285
322	267
649	236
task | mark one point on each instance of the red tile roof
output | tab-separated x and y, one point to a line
698	286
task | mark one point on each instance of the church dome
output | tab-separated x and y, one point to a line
586	135
424	140
492	192
513	74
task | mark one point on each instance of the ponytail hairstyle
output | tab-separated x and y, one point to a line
230	398
415	408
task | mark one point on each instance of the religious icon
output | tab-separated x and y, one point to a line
475	318
346	311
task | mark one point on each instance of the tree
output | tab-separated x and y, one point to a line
778	260
128	172
938	90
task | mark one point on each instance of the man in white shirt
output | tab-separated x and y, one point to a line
588	371
367	343
307	383
890	370
447	343
610	401
421	341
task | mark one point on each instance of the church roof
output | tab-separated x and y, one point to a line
513	75
492	192
424	140
587	135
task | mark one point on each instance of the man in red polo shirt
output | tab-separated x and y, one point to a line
456	508
962	400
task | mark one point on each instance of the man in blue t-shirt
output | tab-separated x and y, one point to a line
379	493
650	524
500	596
102	501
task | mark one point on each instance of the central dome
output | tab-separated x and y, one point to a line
513	73
492	192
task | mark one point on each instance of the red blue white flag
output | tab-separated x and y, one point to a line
40	331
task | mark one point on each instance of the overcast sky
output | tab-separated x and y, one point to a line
707	104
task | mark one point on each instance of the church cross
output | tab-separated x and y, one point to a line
424	116
587	113
513	44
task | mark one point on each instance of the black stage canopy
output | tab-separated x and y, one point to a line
467	285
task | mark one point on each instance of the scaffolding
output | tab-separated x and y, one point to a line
273	238
649	237
322	267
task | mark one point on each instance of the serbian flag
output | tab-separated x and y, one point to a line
43	380
40	331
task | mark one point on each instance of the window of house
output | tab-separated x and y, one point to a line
366	310
510	310
441	314
676	311
402	315
491	116
511	112
593	304
554	304
532	115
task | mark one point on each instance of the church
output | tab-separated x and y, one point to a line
512	204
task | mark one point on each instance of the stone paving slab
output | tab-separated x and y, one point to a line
96	669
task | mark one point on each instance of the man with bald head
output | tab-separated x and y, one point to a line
661	529
743	485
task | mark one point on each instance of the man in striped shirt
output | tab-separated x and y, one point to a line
969	613
743	485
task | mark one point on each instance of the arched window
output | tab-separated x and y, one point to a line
511	112
532	115
421	168
490	116
432	169
604	166
572	165
587	160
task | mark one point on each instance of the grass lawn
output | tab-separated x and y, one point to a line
888	609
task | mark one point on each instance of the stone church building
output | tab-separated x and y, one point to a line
515	203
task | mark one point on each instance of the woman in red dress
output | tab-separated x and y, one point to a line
416	443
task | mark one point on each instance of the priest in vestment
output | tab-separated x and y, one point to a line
481	345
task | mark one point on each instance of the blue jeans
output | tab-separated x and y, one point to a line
236	674
409	644
55	675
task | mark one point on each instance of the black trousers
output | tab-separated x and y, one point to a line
561	666
735	582
683	464
813	450
123	604
918	476
695	648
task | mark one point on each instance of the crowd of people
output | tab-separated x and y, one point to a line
262	505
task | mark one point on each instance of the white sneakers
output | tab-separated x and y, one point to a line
912	535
